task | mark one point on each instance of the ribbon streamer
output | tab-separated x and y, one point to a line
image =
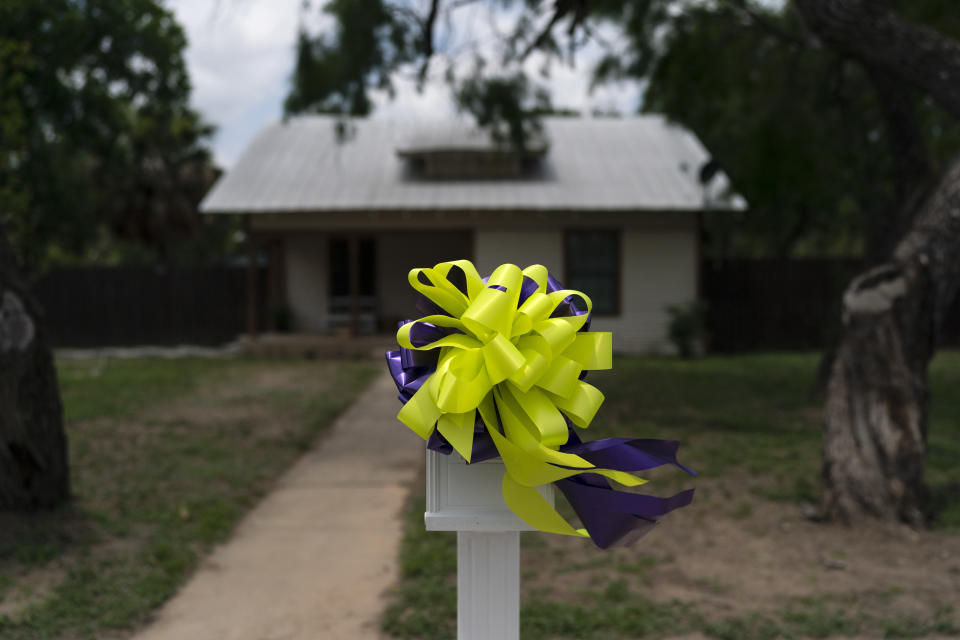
497	368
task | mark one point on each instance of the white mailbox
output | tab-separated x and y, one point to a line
468	497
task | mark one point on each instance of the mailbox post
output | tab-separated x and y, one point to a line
468	499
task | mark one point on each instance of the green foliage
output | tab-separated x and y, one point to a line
686	328
798	129
334	75
509	106
95	108
373	40
15	63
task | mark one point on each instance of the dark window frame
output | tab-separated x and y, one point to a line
618	265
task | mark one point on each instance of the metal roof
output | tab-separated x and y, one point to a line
635	163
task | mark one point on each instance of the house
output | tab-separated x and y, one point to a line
345	209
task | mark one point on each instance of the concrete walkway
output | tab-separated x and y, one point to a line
311	561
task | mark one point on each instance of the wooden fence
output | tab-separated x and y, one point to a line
113	306
751	304
783	304
773	304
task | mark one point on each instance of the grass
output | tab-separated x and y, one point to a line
817	618
166	456
720	408
104	388
943	447
751	426
425	603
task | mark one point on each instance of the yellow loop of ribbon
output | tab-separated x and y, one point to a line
519	368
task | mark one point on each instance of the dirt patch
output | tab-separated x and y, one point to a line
268	398
28	545
33	587
761	556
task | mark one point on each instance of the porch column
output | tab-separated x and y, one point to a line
276	282
252	294
353	260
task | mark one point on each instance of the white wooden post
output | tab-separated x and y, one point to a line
488	585
468	499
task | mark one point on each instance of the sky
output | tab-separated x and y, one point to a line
240	56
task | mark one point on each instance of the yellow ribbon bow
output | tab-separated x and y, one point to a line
520	368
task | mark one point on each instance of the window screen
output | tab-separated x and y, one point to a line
592	260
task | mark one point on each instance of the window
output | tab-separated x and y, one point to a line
592	258
340	266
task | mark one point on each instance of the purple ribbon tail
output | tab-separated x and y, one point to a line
615	517
627	454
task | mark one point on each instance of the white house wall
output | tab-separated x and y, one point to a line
307	264
306	256
522	247
657	269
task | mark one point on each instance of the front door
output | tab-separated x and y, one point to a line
352	286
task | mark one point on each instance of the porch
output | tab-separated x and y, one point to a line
340	283
338	344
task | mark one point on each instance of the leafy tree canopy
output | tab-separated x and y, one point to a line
798	128
102	152
373	41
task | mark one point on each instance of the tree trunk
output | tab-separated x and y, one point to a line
33	445
876	411
914	177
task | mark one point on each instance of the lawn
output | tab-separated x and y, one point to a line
743	562
166	456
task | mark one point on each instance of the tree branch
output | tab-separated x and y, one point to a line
869	31
428	24
561	9
762	22
934	241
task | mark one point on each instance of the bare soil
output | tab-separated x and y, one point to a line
760	557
